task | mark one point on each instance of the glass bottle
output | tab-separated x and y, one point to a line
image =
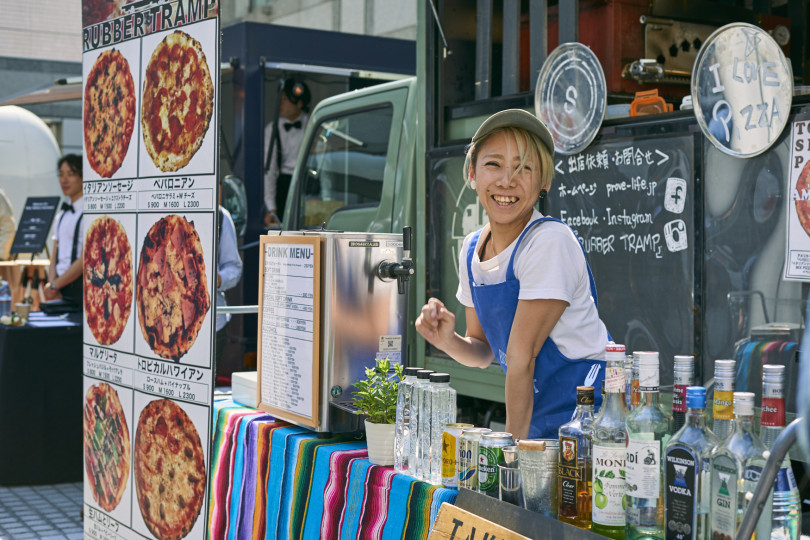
635	398
648	428
683	376
609	441
736	467
414	456
628	380
402	443
687	476
786	509
574	471
723	398
442	399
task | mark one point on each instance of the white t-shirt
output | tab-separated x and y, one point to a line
549	265
65	228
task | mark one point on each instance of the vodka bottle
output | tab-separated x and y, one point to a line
628	380
683	375
414	455
402	443
648	428
687	476
736	467
442	401
574	470
723	398
609	441
635	398
787	506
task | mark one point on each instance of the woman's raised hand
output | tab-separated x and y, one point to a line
436	323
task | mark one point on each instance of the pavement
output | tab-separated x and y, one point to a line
51	512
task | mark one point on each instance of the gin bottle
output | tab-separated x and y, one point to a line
635	398
736	467
414	455
683	376
723	398
786	508
628	380
402	443
609	441
687	476
574	470
648	427
442	401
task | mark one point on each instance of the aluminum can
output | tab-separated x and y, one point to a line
467	461
450	437
490	453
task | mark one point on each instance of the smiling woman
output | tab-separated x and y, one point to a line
528	290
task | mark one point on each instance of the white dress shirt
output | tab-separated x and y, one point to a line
229	265
65	228
290	144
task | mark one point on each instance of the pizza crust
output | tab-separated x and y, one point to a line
178	101
106	445
803	207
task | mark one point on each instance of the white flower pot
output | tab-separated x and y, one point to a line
380	438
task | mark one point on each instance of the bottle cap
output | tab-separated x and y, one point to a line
614	351
411	371
684	361
647	358
424	373
743	403
584	395
439	377
773	373
725	368
695	397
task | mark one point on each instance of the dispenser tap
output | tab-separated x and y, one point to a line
400	271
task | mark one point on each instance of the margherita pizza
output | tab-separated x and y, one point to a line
803	206
178	100
172	290
109	112
106	445
169	470
107	279
95	11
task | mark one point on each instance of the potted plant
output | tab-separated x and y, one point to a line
376	397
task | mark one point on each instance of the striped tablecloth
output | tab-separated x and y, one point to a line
273	480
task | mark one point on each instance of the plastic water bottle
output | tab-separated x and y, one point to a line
402	443
5	298
424	428
442	401
414	457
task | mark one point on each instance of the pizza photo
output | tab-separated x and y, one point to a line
178	101
172	291
802	206
169	470
106	445
107	279
96	11
109	112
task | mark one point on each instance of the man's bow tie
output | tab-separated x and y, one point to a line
67	206
289	125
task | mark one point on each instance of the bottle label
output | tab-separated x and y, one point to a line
608	485
785	481
614	380
570	475
679	398
635	394
680	494
724	498
773	412
643	459
682	378
648	378
723	405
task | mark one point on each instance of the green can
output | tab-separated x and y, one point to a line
490	453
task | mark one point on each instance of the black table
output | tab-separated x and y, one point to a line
40	405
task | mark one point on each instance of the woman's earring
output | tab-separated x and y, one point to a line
543	193
473	184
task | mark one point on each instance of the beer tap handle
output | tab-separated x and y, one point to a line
406	242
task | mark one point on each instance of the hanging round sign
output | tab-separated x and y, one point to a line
742	87
571	96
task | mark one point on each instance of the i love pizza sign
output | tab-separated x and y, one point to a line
149	268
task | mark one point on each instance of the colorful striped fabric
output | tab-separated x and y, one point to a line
273	480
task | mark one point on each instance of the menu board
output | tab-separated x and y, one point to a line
630	203
797	258
150	96
289	341
35	222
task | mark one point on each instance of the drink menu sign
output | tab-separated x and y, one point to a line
150	96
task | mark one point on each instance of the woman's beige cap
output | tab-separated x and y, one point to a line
516	118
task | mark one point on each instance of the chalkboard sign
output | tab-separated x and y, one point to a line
35	223
631	203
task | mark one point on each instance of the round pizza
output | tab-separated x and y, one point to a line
96	11
109	112
106	445
107	279
169	470
178	100
172	291
803	206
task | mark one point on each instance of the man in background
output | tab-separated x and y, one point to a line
284	138
65	270
229	272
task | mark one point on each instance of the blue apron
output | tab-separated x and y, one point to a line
555	375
